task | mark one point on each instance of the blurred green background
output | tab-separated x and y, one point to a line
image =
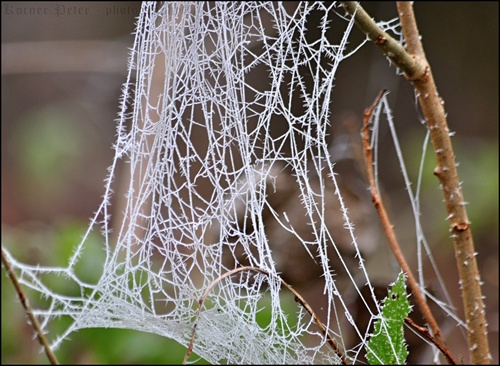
61	81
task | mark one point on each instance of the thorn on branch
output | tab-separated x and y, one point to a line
461	226
380	40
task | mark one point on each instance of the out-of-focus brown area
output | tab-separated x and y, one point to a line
63	65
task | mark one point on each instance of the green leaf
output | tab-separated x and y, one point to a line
387	344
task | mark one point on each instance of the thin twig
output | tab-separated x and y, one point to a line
389	228
25	303
425	332
298	298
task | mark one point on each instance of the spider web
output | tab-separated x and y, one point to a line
223	136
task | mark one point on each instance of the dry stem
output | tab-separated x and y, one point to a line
25	303
389	228
425	332
416	69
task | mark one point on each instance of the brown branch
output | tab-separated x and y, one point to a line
425	332
298	299
26	305
389	228
412	67
420	75
433	110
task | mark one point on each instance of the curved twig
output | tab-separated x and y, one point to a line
389	228
425	332
298	298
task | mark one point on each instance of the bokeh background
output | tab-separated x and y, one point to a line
63	65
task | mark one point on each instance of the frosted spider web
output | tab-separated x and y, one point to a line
206	176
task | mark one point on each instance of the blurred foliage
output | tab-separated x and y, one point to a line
98	346
48	127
